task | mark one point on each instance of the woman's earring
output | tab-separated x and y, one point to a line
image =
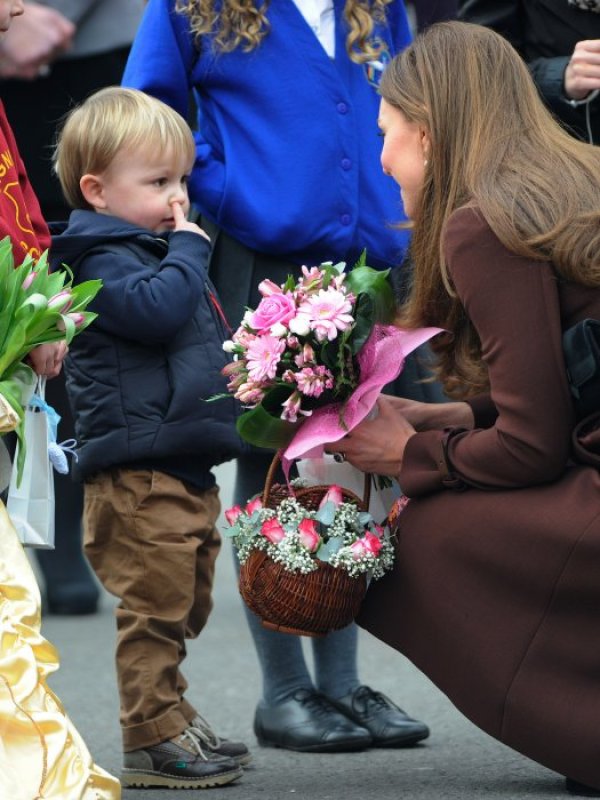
425	162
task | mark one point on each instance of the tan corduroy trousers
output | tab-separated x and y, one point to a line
152	542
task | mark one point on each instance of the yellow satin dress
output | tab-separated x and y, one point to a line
41	753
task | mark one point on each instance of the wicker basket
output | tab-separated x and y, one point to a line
314	604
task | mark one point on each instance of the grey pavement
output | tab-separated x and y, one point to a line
457	762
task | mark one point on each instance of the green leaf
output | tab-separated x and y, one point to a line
375	284
329	548
260	428
83	293
326	514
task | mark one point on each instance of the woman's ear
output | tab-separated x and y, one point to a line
92	189
425	143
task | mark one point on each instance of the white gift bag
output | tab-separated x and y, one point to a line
31	504
316	471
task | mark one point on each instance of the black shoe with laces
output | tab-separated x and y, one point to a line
388	725
179	763
308	722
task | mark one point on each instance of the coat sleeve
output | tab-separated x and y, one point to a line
143	304
513	304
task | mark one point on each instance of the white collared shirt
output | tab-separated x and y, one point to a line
320	16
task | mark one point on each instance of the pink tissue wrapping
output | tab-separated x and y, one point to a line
381	360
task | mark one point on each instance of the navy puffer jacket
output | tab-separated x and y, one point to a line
139	377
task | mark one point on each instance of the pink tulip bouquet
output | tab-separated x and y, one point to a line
337	533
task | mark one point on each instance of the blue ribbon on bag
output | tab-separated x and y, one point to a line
56	450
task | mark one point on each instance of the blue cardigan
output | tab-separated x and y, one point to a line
288	148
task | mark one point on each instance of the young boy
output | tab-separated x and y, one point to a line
136	381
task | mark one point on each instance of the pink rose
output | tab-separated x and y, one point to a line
308	534
272	309
333	495
358	549
271	528
372	542
253	505
367	545
232	514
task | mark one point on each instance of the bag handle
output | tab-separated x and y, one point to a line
363	503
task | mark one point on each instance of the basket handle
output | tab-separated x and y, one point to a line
272	471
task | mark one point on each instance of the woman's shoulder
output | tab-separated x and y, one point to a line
466	227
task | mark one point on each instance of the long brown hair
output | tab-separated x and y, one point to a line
243	23
495	146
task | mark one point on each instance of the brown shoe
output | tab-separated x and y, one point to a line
179	763
222	747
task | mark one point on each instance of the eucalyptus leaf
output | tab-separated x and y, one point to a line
326	514
329	548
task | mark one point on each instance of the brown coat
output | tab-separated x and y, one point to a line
495	593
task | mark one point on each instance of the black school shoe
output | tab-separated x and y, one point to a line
580	789
388	725
310	723
178	763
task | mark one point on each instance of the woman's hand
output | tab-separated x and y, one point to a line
582	74
46	360
377	445
434	416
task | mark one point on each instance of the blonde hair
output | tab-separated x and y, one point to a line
241	23
494	146
109	121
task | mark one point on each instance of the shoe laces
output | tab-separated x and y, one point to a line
191	741
365	697
202	730
318	704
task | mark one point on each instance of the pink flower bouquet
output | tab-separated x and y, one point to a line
298	350
312	358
